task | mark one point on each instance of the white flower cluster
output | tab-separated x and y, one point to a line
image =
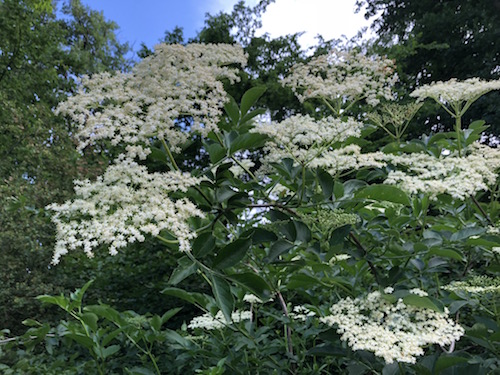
457	176
302	138
345	76
175	81
122	206
208	321
476	284
301	313
454	93
346	159
395	332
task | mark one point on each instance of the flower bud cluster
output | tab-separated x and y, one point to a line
342	75
395	332
476	284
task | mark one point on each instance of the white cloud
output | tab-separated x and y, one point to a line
328	18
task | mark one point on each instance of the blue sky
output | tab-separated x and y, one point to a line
147	20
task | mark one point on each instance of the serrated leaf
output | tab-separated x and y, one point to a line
216	152
191	297
204	244
247	141
419	301
302	281
253	282
110	350
90	319
81	339
232	254
446	253
60	301
223	296
261	235
278	248
444	362
250	97
466	233
326	182
387	193
250	115
169	314
185	269
232	110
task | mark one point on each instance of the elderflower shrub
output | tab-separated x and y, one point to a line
457	176
476	284
343	76
209	322
302	138
457	95
122	206
395	332
175	81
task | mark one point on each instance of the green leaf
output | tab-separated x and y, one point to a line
110	336
169	314
192	297
106	312
175	337
83	340
158	155
444	362
139	371
60	301
326	182
418	301
447	253
464	233
248	141
110	350
384	193
250	97
204	244
250	115
90	319
223	296
261	235
232	110
224	193
302	281
185	269
232	254
254	283
216	152
278	248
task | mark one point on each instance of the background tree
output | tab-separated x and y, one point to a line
440	40
41	57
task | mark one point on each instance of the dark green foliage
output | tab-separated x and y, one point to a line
41	57
438	40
